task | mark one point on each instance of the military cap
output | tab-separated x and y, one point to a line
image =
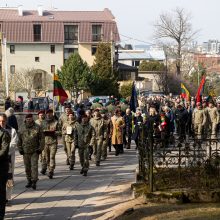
49	111
198	104
29	116
103	111
41	112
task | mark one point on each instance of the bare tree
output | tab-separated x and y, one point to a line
25	80
175	30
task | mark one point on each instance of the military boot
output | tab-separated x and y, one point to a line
34	186
71	166
43	171
98	163
29	184
67	162
50	175
81	171
85	173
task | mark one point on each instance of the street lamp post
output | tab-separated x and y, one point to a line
6	68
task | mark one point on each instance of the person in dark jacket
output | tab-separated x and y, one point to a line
181	118
128	128
138	121
7	103
30	105
11	119
4	166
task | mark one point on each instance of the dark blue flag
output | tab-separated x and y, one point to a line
133	101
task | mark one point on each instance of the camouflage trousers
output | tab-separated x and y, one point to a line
97	149
64	145
213	130
48	157
104	149
31	166
70	147
198	130
84	157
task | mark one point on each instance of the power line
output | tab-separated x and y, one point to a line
131	38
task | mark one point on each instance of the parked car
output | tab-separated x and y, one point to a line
103	99
40	101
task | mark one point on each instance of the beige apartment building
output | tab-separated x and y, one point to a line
42	40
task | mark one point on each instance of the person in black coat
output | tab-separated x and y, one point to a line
138	122
4	166
7	103
11	119
181	118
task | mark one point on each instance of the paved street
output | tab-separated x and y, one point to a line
72	196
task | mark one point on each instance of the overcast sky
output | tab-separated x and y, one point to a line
135	17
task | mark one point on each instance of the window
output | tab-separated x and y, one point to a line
96	32
93	49
52	68
37	32
12	69
37	59
136	63
70	34
68	52
52	48
12	48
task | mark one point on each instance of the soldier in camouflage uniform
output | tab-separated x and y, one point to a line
69	129
63	118
30	145
84	137
51	132
213	117
41	122
198	120
106	138
97	123
96	104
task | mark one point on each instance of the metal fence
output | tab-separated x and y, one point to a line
180	164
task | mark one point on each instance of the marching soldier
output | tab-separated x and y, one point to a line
106	138
30	145
41	118
213	117
198	120
97	123
84	137
63	118
69	129
51	132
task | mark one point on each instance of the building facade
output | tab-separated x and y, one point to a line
43	40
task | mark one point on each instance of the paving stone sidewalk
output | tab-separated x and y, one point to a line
72	196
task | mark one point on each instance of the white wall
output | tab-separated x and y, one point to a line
24	57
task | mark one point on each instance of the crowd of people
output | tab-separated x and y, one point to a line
93	129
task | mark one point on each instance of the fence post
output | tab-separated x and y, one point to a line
151	165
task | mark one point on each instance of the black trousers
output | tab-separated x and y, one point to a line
3	181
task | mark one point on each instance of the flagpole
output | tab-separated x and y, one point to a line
53	94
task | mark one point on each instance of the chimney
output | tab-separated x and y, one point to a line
40	10
20	10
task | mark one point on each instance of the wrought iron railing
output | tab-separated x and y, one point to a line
188	164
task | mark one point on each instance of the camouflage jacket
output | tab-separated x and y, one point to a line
51	131
69	137
31	138
99	127
41	123
85	135
4	145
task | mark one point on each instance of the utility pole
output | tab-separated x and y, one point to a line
6	67
112	52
